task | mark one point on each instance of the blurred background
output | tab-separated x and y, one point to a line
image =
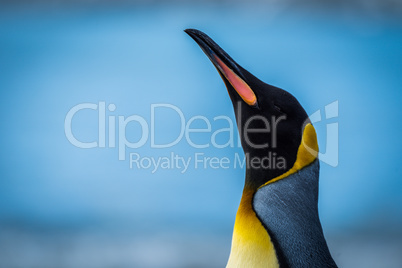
63	206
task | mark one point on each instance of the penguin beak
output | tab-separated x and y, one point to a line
226	66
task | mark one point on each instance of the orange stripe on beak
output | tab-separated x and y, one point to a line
241	87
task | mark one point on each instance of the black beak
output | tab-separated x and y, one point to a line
226	66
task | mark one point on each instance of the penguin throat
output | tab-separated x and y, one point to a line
269	167
251	244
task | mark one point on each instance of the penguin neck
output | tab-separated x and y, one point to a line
252	245
259	239
264	165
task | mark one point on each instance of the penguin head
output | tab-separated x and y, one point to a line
270	120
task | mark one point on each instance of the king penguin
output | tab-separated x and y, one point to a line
277	223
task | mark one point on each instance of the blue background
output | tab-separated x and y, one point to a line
62	206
